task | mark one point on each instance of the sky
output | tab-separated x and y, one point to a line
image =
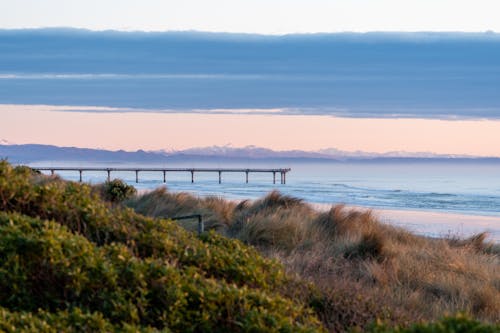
255	16
158	131
415	93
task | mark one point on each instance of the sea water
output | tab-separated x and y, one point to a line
464	187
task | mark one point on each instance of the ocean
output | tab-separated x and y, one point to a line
464	187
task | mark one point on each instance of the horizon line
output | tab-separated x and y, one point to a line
489	32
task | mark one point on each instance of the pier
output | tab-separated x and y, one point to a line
163	171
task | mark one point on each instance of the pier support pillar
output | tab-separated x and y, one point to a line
164	176
109	174
220	177
192	176
80	175
52	172
284	177
281	173
246	176
136	176
274	177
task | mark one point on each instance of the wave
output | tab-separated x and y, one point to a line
89	76
462	193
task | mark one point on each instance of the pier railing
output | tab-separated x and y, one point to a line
281	171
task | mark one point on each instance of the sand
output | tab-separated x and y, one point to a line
442	224
436	224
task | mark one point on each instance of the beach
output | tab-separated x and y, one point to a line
438	224
435	224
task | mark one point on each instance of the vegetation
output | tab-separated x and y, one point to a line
364	270
457	324
115	190
88	263
74	259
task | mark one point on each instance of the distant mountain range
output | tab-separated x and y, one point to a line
33	153
328	153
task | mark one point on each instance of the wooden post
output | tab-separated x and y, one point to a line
246	174
164	176
80	175
192	176
109	174
274	177
220	176
136	176
52	172
284	177
201	226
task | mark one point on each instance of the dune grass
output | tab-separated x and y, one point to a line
365	270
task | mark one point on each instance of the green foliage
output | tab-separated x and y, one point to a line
46	266
74	321
117	190
95	267
456	324
82	211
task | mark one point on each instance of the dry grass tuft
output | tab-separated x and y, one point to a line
370	246
276	221
476	242
217	212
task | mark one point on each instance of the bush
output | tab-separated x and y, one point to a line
78	208
73	321
46	266
117	190
457	324
98	267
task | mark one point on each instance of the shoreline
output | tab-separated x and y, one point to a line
427	223
442	224
434	224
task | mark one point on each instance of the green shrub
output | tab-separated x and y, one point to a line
82	211
455	324
73	321
46	266
63	250
116	191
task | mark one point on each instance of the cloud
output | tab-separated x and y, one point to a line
426	75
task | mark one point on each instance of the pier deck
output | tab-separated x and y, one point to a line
281	171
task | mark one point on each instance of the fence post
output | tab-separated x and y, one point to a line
201	226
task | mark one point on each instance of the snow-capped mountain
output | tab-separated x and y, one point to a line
328	153
35	152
